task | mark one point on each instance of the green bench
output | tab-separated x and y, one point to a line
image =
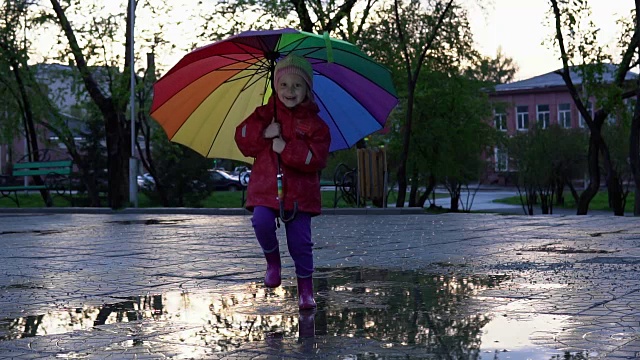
56	176
326	183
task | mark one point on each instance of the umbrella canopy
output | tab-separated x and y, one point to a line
212	89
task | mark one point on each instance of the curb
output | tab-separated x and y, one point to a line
203	211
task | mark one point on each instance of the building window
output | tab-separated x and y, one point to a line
500	121
589	107
522	117
543	116
564	115
501	160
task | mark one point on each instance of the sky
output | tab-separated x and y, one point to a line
518	27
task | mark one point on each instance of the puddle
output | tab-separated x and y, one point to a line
36	232
555	248
147	222
362	313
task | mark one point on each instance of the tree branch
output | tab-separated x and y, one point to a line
432	38
342	12
92	87
303	14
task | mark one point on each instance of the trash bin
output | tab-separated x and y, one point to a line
372	176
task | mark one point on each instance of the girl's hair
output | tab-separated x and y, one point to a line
310	96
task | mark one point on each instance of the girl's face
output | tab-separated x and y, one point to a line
291	90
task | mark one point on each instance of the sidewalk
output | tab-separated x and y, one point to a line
484	201
410	286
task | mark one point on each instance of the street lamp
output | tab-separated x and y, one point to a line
133	161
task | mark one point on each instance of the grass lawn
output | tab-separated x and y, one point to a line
227	199
599	202
218	199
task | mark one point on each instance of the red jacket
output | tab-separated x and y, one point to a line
307	138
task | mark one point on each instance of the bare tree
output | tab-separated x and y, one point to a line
15	55
413	69
112	107
566	20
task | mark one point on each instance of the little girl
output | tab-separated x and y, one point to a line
287	138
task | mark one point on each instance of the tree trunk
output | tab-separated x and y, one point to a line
594	176
616	194
574	193
634	152
614	183
404	155
88	180
560	192
544	203
531	199
546	199
413	195
117	149
29	126
431	187
454	192
455	202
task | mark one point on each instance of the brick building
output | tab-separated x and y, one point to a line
542	100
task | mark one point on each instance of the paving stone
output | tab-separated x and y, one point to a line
582	270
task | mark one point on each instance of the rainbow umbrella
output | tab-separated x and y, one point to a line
212	89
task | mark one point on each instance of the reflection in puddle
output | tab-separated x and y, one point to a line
387	313
512	335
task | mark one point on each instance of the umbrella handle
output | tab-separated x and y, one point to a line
293	214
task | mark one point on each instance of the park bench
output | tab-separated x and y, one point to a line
56	177
345	181
366	182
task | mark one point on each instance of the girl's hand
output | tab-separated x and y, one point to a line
278	145
272	131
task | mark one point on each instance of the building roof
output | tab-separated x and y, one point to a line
553	79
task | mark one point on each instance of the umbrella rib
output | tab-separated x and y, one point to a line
314	49
309	52
237	62
260	72
297	46
377	86
344	138
257	74
246	86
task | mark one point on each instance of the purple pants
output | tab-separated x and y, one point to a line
298	237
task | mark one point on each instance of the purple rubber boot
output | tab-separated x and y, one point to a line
305	293
272	276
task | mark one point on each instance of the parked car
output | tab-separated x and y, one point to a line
240	169
223	181
244	177
146	181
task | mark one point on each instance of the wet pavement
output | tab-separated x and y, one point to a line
139	285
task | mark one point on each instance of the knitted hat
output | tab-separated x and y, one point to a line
294	64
